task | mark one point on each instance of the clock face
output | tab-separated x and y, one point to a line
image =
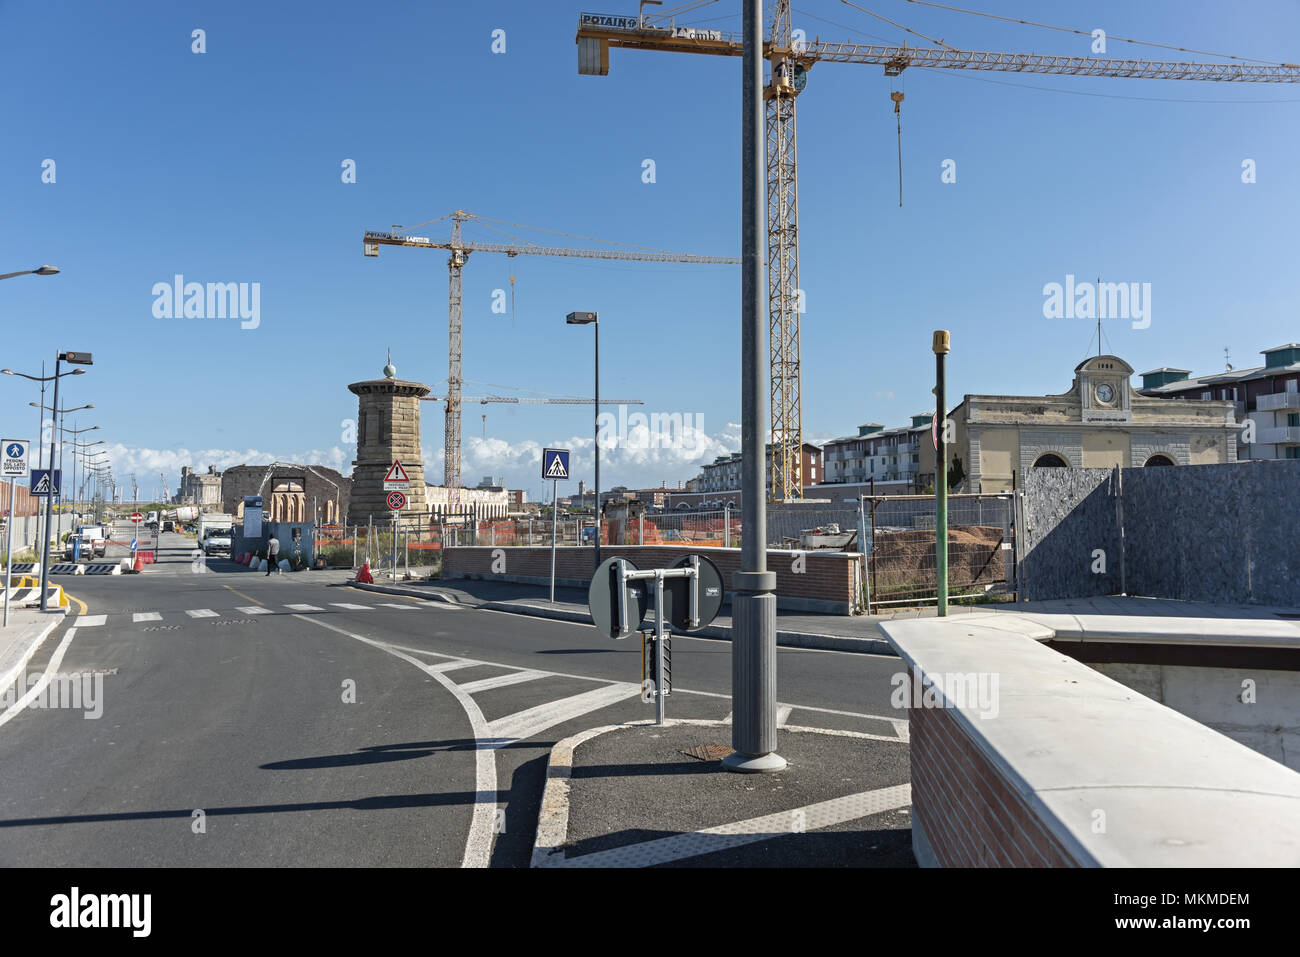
1105	393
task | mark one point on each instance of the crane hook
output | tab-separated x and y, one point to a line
897	97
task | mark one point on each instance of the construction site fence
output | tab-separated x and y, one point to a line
895	534
901	548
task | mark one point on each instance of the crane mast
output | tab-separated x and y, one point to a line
789	64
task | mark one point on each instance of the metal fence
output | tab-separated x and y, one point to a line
901	547
895	534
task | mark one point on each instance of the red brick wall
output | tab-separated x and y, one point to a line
828	582
970	814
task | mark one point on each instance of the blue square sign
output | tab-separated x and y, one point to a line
45	482
555	463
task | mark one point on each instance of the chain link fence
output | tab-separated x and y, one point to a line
901	567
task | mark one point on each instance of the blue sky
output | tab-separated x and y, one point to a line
226	167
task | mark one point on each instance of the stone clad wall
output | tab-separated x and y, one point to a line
1220	533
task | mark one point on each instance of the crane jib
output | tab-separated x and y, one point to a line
639	35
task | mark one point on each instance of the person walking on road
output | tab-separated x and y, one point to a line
273	555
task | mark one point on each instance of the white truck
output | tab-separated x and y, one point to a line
210	523
216	539
94	541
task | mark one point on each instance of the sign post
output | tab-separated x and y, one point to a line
396	502
13	466
45	484
555	466
687	597
396	482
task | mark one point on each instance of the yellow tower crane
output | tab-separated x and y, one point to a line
460	250
790	59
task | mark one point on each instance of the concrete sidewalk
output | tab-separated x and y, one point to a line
18	642
860	633
632	796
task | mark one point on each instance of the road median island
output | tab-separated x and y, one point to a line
629	795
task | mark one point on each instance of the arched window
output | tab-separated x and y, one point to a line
1051	461
1159	459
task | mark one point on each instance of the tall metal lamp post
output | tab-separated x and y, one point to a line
753	623
74	358
80	358
593	319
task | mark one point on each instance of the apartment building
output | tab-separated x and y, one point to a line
1266	399
881	455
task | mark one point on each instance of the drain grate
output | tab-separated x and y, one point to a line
708	752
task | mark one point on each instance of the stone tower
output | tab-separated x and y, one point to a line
388	430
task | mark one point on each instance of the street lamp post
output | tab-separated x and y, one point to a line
76	358
753	624
38	271
60	416
593	319
79	452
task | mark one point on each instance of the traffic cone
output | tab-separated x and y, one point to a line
139	565
363	575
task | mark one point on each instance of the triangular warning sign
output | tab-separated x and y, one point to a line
42	487
557	470
396	474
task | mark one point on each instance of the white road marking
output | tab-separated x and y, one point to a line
254	610
726	836
453	665
202	613
343	604
478	845
783	715
146	616
525	724
501	681
90	621
55	660
393	604
303	608
419	651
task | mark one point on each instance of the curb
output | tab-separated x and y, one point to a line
399	590
785	639
553	813
12	674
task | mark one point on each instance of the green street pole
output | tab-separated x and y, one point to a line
940	345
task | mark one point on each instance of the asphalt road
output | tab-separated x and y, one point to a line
271	721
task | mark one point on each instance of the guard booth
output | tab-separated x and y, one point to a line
687	597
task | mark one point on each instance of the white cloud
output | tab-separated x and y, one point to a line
635	462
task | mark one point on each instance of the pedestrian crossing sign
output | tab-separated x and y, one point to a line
555	463
45	482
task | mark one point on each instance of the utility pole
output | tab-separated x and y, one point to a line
753	626
940	345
